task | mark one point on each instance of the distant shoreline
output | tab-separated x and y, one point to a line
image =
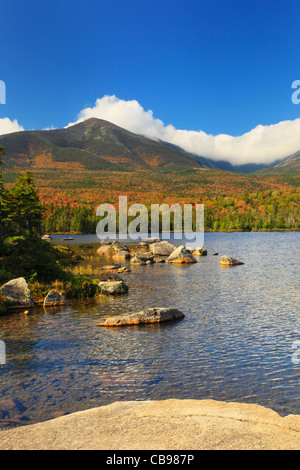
207	231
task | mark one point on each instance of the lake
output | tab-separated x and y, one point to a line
234	344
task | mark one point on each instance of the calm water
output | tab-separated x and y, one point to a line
234	344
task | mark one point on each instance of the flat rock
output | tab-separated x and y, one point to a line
17	294
164	424
150	315
113	287
149	241
162	248
111	267
181	256
54	299
228	261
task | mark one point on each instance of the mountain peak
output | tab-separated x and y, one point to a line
92	144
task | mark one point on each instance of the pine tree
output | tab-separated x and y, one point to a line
22	206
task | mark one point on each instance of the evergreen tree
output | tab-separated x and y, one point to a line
22	207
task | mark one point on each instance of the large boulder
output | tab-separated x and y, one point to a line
228	261
181	256
113	287
54	299
17	294
162	248
150	315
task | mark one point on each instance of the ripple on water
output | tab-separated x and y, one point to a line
235	342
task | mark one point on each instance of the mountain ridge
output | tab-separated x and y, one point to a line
91	144
96	144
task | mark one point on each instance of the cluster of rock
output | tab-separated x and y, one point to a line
17	295
115	249
158	251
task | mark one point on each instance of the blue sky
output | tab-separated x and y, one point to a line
212	65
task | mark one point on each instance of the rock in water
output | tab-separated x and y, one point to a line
122	254
54	299
228	261
150	315
17	294
136	260
181	255
200	252
113	287
162	248
111	267
149	241
142	258
103	249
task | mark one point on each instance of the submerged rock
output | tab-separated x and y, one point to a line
113	287
228	261
150	315
17	294
54	299
181	256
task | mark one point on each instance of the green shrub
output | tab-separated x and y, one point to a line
81	287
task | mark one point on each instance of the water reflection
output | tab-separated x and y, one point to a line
234	343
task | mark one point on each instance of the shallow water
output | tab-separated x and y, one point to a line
234	344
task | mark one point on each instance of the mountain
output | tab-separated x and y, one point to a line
94	144
289	165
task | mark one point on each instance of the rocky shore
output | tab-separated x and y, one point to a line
16	294
161	425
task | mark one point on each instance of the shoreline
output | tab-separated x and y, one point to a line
206	231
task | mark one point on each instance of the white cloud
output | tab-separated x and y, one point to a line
263	144
7	126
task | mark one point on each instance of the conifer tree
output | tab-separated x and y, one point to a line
22	206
